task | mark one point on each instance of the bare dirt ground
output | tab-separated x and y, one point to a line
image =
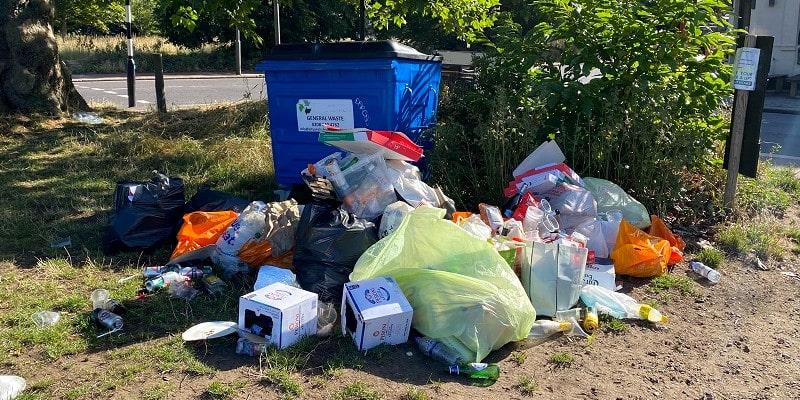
738	339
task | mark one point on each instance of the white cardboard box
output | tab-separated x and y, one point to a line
281	313
601	273
375	312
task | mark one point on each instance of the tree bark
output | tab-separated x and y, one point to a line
33	79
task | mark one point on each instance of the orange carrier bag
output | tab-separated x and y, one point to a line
639	254
659	228
202	228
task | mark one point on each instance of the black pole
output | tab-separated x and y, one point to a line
131	65
158	65
362	10
238	53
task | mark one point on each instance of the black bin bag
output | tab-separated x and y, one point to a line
328	242
147	215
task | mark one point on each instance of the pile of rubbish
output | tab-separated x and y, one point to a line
391	253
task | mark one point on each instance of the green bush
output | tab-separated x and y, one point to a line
631	91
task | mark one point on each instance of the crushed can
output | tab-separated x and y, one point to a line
106	319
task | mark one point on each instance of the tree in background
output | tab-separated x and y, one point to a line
95	15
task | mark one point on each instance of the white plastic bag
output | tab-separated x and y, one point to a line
392	217
593	230
574	204
249	225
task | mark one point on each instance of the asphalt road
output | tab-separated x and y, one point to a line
782	130
178	91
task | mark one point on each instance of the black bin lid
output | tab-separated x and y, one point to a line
347	50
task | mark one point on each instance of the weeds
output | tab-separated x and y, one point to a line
562	360
666	282
711	257
357	391
519	357
415	393
614	325
527	385
757	235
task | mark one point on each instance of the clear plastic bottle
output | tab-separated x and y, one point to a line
618	305
162	280
545	328
590	319
438	350
711	274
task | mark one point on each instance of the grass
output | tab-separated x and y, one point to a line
519	357
357	390
614	325
561	360
711	256
756	235
415	393
666	282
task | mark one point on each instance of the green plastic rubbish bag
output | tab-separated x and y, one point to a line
610	196
458	285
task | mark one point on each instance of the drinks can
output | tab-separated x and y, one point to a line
106	319
115	307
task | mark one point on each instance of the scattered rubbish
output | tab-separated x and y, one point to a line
88	118
209	330
269	274
99	297
476	370
438	350
375	312
11	386
164	280
618	305
45	319
326	316
590	320
545	328
709	273
106	319
280	313
65	242
247	347
115	307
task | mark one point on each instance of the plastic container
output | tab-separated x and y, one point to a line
438	350
590	320
44	319
99	297
709	273
367	188
379	85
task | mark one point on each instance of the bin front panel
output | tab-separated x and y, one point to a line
381	94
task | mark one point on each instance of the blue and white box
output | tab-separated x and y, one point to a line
375	312
280	313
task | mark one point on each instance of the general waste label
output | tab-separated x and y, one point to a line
314	114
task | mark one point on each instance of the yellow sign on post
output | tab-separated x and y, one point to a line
745	67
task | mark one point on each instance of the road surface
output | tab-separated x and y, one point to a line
782	130
178	92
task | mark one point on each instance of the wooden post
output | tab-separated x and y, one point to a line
737	132
158	66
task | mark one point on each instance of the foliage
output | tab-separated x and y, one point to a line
527	385
630	90
464	18
756	235
561	360
667	282
97	15
711	257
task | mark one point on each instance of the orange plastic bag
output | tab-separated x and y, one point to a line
638	254
659	228
201	228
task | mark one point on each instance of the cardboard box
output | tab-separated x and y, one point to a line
281	313
375	312
601	273
392	145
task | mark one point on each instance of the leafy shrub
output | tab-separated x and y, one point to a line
631	91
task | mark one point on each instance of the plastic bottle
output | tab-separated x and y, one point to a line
476	370
711	274
438	350
162	280
590	320
115	307
545	328
618	305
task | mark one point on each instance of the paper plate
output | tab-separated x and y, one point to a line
11	386
209	330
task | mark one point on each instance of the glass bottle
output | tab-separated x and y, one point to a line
476	370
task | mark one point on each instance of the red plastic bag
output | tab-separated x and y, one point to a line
639	254
202	228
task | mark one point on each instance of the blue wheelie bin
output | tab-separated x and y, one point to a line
379	85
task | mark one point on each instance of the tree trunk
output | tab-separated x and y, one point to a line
33	79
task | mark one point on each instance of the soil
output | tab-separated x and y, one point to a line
732	340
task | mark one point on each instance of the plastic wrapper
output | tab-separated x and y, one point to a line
201	228
248	226
458	285
639	254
